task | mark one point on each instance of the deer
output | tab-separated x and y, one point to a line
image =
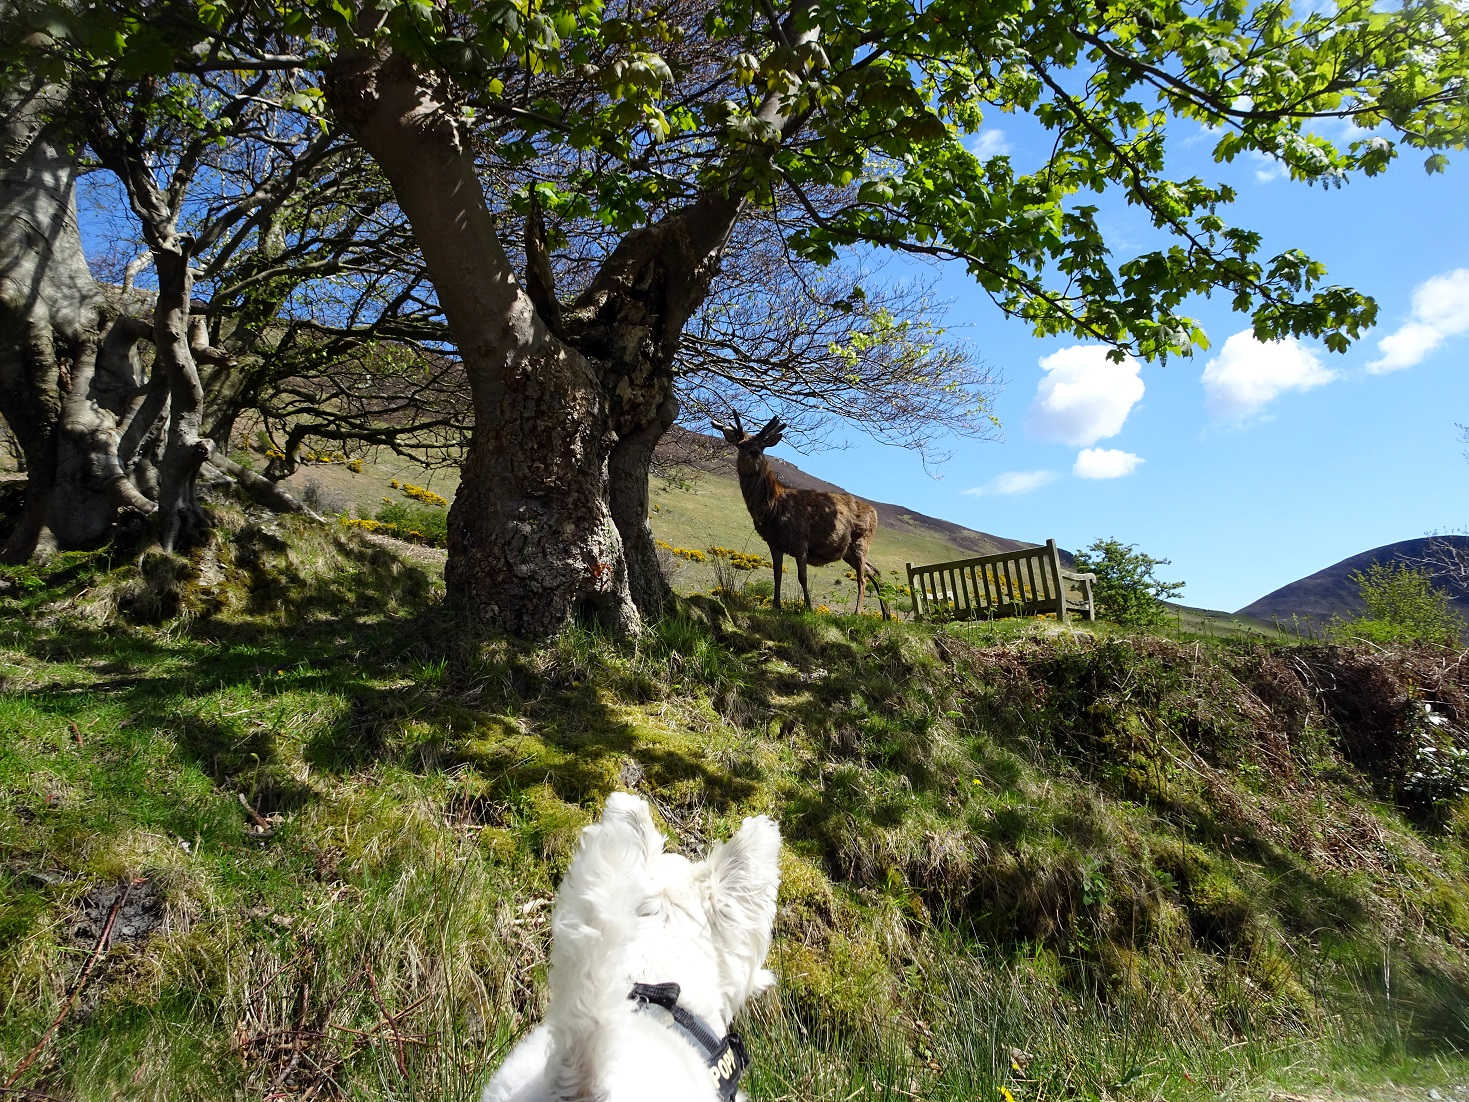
815	527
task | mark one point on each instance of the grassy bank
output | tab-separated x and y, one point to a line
1021	862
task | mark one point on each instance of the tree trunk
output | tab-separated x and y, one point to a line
629	322
628	471
531	540
180	518
552	510
51	320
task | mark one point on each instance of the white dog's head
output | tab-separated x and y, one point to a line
629	913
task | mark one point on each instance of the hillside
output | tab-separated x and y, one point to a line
696	505
1021	862
1330	592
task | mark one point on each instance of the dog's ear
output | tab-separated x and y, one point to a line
629	817
609	874
744	874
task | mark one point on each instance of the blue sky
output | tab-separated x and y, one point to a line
1247	466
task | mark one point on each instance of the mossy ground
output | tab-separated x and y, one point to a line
1018	859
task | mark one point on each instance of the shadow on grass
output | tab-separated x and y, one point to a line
419	695
868	703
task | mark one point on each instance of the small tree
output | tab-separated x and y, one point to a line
1127	591
1402	606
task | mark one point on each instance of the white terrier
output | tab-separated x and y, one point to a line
651	957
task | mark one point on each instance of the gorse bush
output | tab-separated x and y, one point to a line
1402	606
421	493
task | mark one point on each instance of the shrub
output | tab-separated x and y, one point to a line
1402	605
420	524
692	554
423	494
1127	591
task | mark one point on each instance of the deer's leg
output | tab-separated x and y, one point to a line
858	562
776	560
801	573
877	588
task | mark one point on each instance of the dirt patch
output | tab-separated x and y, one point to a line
141	912
1387	1092
414	552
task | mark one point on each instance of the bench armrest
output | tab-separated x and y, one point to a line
1072	575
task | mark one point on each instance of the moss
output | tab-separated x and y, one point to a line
846	980
550	825
1220	911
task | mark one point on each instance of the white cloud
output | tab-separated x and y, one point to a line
1248	375
989	142
1267	168
1342	131
1440	311
1083	396
1105	463
1013	482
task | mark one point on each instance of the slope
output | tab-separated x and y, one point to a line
1330	592
1020	862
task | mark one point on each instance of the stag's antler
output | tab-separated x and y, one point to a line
733	433
770	435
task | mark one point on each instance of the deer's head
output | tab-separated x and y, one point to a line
751	447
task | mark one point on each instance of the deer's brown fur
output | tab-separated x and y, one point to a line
814	527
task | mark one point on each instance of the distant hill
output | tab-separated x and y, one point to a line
1331	592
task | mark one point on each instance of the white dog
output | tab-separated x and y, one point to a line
651	957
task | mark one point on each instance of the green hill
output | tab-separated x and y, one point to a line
320	828
696	505
1330	592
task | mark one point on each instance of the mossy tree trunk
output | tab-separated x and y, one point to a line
109	437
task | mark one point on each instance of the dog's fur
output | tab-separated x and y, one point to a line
629	913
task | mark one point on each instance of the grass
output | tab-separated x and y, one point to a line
1053	864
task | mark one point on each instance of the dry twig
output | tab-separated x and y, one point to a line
97	953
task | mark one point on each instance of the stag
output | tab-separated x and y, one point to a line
812	526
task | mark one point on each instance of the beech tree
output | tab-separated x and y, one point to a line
119	395
672	123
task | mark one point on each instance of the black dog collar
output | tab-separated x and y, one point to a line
726	1057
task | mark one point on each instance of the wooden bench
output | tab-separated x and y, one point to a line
1027	582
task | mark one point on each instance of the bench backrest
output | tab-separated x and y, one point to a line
1024	582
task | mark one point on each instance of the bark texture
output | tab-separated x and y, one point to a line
531	539
64	388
